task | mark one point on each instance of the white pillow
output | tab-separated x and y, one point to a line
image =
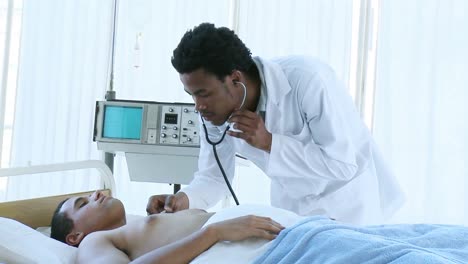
7	256
248	250
18	239
45	230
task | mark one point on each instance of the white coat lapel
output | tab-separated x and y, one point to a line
277	87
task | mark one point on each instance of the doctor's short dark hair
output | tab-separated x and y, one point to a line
61	225
216	50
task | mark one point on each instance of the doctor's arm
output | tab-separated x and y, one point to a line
329	152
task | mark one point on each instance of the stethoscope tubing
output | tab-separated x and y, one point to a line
214	144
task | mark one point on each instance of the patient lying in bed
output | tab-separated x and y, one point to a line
97	225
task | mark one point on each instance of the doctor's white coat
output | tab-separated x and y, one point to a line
323	159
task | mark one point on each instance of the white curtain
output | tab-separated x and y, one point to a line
147	73
63	69
421	117
323	29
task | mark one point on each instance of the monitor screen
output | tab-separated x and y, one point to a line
122	122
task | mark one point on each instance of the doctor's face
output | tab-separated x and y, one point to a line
213	98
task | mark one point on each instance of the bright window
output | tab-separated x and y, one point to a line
10	35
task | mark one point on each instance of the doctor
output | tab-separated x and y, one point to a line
293	119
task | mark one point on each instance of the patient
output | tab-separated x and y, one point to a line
97	224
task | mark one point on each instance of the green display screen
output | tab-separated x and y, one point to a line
122	122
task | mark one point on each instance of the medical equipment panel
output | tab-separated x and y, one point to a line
160	140
153	123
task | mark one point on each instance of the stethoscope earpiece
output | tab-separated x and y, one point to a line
245	92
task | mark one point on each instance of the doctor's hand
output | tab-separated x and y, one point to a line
167	202
252	128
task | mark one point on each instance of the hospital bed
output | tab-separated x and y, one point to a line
308	240
24	224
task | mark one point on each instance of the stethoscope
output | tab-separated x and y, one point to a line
213	144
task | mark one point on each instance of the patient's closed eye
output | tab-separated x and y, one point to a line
83	204
204	94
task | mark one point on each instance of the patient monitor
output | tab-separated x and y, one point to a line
160	140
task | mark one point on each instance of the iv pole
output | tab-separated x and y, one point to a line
110	94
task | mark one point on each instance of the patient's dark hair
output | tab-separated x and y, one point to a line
216	50
61	225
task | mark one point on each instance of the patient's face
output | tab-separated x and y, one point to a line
95	212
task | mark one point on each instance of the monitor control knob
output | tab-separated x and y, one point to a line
190	122
171	110
174	136
185	110
163	127
163	135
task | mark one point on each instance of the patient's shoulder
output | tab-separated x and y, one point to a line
96	239
102	246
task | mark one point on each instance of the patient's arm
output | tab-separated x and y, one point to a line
101	249
185	250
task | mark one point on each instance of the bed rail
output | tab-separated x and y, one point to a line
106	174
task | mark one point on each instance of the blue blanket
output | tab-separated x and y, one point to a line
321	240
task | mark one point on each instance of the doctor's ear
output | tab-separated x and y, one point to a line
236	76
